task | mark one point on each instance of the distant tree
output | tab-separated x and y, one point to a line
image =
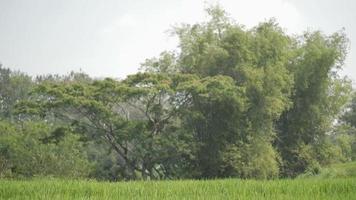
14	87
349	117
345	132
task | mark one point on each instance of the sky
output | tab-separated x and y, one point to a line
111	38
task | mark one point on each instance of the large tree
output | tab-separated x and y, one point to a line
136	117
290	83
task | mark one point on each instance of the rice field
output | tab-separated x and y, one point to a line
340	188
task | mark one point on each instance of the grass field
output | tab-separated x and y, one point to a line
343	188
334	182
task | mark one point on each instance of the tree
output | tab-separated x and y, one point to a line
318	97
14	87
256	61
349	117
134	117
345	131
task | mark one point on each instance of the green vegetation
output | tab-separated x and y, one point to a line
335	182
340	170
312	189
230	102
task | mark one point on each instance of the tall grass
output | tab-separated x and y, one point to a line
214	189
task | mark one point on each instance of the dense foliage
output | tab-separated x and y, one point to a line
230	102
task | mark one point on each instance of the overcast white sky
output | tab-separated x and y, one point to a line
112	37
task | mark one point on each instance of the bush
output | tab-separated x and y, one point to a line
33	150
255	160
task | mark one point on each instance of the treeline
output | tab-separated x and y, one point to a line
229	102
